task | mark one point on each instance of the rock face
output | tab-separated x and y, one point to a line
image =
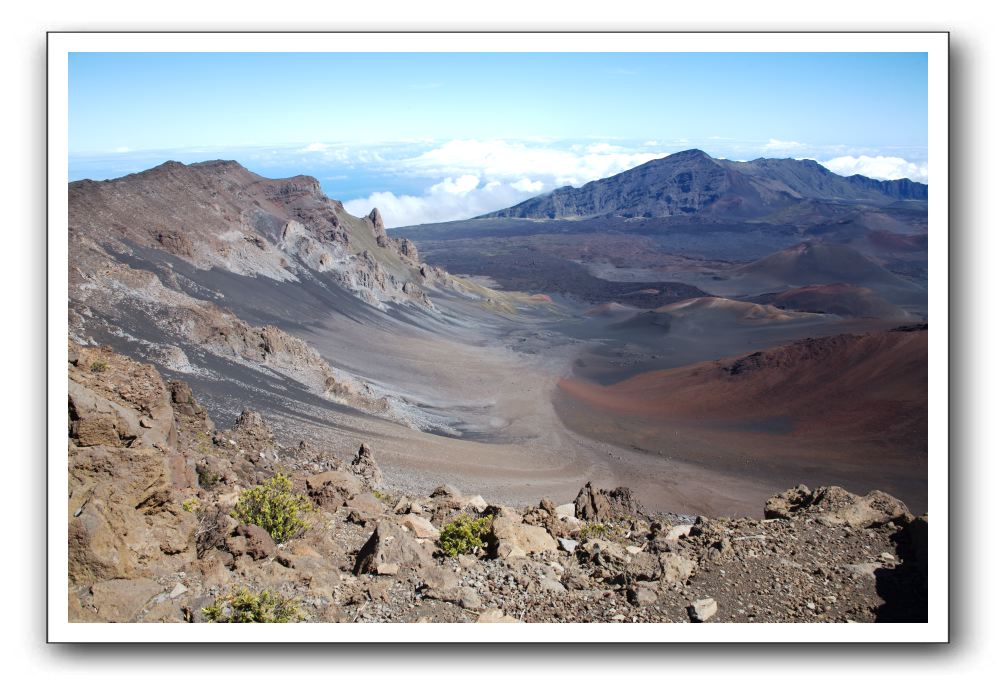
124	519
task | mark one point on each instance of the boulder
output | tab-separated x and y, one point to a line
507	512
445	491
94	420
678	531
643	566
331	489
675	569
567	544
477	503
258	542
439	579
565	510
469	599
604	553
786	504
251	430
595	504
364	466
390	549
702	609
547	519
366	503
508	538
591	504
420	527
833	505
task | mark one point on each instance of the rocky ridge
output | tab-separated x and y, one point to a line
691	182
218	214
173	264
152	484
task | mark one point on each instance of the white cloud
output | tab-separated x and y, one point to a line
880	167
508	161
316	147
447	200
776	145
526	185
122	149
459	186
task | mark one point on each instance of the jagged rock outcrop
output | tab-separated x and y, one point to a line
364	466
597	504
125	473
377	223
835	506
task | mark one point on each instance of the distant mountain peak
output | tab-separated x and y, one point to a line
692	182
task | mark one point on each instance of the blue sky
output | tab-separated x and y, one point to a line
443	136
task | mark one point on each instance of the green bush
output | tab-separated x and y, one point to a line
98	366
275	507
463	535
244	606
593	531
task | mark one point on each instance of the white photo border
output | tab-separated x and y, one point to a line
934	44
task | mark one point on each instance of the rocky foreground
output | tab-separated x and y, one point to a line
153	486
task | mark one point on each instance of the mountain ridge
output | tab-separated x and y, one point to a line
691	181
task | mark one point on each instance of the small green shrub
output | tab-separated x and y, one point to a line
275	507
593	531
383	496
463	535
98	366
192	505
244	606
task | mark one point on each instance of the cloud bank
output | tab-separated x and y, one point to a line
421	180
880	167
